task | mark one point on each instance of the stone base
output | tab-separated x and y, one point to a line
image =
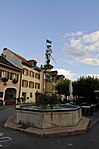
49	118
81	128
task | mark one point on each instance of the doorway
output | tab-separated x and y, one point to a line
10	96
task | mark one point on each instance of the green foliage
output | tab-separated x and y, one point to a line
44	100
85	86
63	87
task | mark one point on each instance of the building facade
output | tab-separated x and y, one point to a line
32	76
10	77
32	83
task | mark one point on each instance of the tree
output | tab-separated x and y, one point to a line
85	86
63	87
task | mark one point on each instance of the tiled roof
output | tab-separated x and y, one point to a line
27	62
24	61
20	57
6	63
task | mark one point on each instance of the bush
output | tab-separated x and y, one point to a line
44	100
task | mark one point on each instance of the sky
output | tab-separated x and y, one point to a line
71	25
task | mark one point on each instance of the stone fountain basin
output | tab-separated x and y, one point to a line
59	116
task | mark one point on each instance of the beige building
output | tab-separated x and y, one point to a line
32	76
32	83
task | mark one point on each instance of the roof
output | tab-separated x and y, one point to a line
6	63
24	61
20	57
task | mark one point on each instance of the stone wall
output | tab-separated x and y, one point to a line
49	119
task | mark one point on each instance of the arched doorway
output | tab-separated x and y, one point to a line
10	96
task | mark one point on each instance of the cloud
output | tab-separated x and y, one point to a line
93	37
72	34
91	61
75	52
67	73
82	47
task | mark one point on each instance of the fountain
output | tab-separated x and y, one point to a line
49	117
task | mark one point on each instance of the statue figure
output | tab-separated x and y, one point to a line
48	55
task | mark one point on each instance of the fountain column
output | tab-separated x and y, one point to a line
48	78
48	67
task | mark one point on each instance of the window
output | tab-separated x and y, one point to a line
8	75
31	84
37	76
25	71
12	76
24	83
37	85
31	74
4	74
